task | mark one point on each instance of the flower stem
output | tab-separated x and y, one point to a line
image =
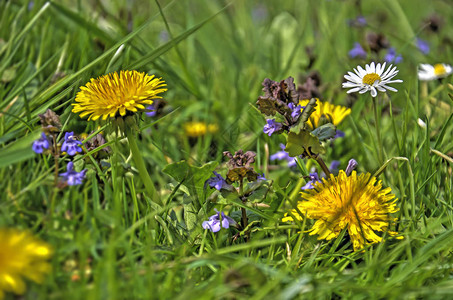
140	164
244	220
378	131
323	166
56	157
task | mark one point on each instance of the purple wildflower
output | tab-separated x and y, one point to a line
215	224
272	127
334	166
296	110
261	178
423	46
352	164
72	177
70	144
218	182
313	179
152	110
41	144
338	134
283	155
392	57
357	51
361	21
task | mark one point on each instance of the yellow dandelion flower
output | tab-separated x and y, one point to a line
213	128
331	112
21	255
355	202
128	91
196	129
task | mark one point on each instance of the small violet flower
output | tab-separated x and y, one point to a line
70	144
352	164
272	127
392	57
334	166
296	110
338	134
423	46
360	21
218	182
72	177
215	224
152	110
313	179
261	178
357	51
41	144
283	155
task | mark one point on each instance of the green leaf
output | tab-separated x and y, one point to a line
19	150
324	132
190	215
226	197
306	113
191	177
260	193
9	74
301	142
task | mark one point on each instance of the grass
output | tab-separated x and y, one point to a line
112	242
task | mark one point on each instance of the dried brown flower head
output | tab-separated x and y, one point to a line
240	167
50	121
434	23
96	142
376	42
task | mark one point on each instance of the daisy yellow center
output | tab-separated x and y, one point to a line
439	70
371	78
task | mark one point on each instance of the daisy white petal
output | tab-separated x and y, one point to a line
356	89
427	72
350	85
389	88
373	78
379	69
361	72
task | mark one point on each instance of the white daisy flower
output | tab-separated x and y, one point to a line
427	72
372	79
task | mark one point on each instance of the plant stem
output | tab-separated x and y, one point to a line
56	156
140	164
378	131
244	220
323	166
